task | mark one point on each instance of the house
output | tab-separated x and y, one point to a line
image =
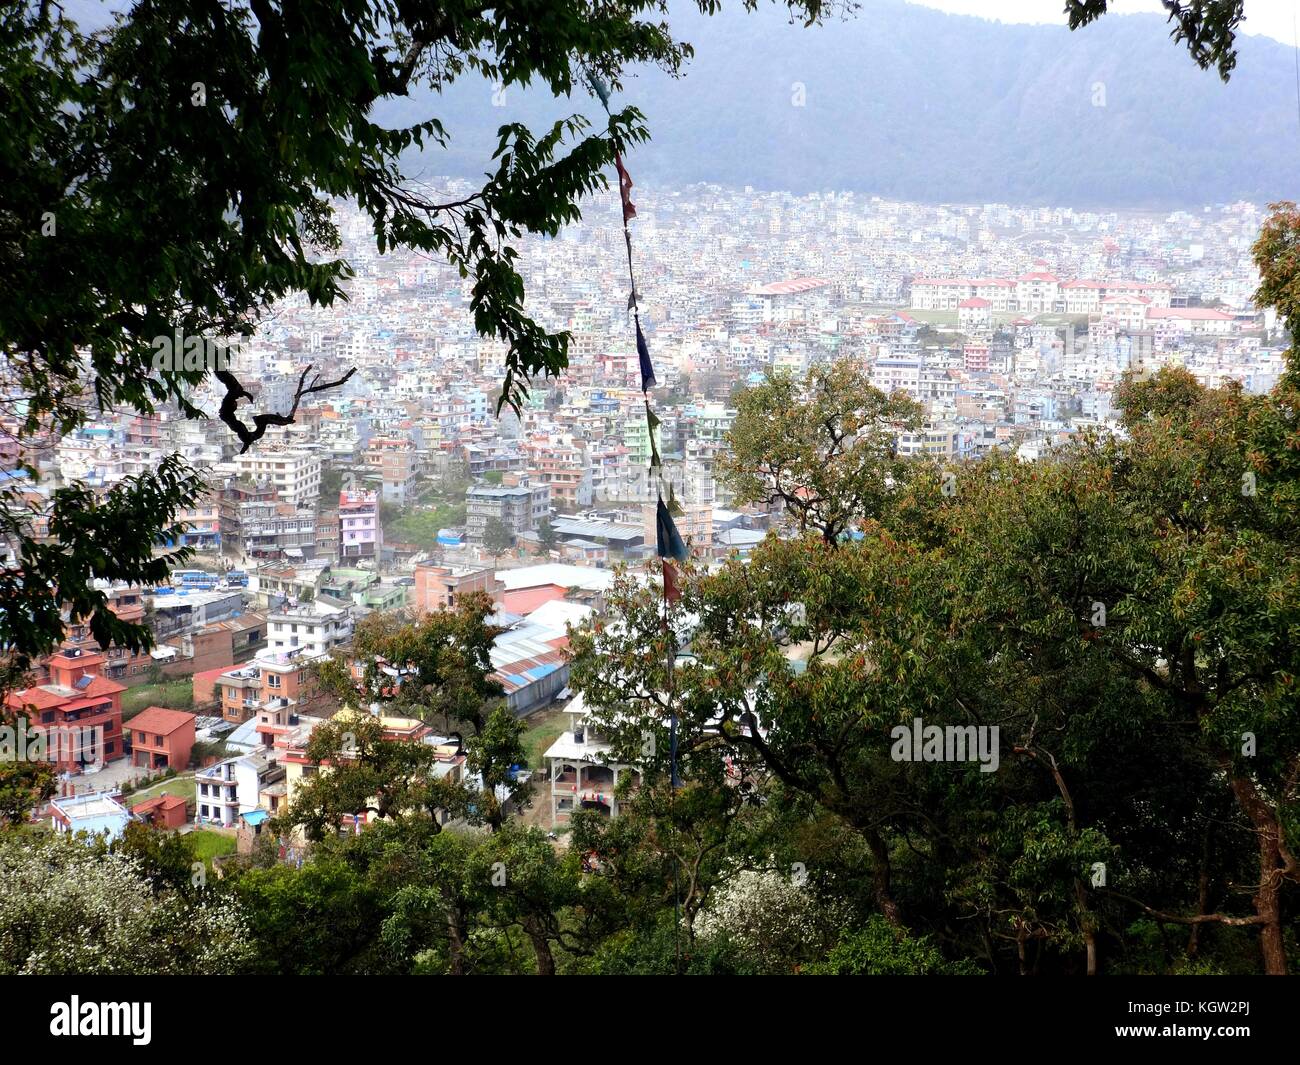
263	681
161	738
359	533
98	814
582	776
311	629
162	811
228	789
79	710
437	587
973	314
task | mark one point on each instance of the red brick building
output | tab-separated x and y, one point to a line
161	738
78	709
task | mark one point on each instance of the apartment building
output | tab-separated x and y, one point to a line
294	475
437	587
275	530
309	630
360	534
520	507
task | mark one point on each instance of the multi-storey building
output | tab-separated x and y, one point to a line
437	587
210	524
275	530
267	681
310	630
564	469
583	775
78	711
520	507
395	461
294	475
359	532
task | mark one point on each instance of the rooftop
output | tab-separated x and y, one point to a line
160	720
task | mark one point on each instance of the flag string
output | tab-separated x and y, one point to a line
669	545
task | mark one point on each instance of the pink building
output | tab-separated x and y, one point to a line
360	534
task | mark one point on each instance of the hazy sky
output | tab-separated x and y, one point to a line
1270	17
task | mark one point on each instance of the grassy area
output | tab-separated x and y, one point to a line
543	729
209	844
933	317
174	694
183	786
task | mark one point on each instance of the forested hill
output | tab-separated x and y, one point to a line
911	103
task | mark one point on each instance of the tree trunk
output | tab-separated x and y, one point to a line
880	876
1267	898
541	947
456	941
1202	896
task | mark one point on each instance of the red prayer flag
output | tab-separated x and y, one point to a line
625	189
672	589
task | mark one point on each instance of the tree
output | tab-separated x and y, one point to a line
1121	612
361	771
25	782
437	668
69	909
496	752
546	533
824	449
879	950
497	537
1207	27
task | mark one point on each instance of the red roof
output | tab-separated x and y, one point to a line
45	696
791	287
974	302
158	802
160	720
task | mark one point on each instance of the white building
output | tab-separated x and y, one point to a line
582	775
295	475
311	629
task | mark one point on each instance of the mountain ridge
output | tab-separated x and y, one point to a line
911	103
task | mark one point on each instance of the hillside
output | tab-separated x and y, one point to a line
912	103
